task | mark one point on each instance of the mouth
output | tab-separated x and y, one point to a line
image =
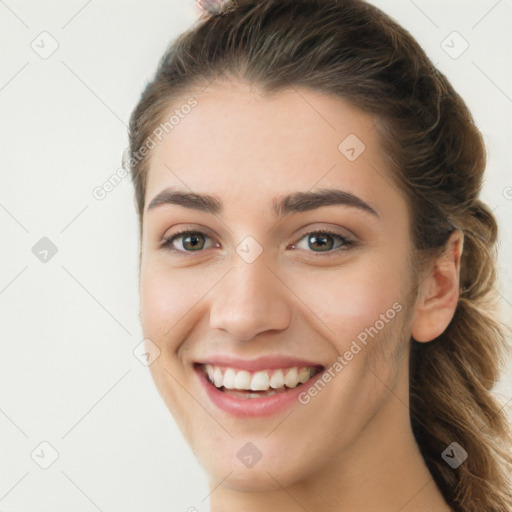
262	383
256	388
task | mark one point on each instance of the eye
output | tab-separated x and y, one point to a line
190	241
325	241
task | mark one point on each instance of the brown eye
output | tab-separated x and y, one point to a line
325	242
186	241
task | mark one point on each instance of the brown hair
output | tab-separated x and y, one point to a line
351	49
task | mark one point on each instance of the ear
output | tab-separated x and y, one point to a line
439	292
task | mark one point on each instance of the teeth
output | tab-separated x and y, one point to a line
243	380
277	380
263	380
209	371
260	381
291	379
229	378
304	375
218	379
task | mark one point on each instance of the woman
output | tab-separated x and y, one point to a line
316	265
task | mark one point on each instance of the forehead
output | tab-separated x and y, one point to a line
239	142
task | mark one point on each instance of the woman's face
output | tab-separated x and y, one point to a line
259	288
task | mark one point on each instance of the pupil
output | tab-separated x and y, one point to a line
193	240
321	241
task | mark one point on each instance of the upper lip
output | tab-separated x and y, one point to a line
261	363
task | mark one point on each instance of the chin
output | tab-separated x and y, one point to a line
274	469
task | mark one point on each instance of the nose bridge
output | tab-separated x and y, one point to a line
249	300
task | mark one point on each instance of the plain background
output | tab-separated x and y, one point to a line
69	325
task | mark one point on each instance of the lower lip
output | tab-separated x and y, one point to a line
251	407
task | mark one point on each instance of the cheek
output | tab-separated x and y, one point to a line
353	298
156	304
165	301
165	297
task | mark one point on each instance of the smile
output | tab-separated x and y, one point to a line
266	382
255	391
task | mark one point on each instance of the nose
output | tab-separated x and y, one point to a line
250	300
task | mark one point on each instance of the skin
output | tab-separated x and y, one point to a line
351	447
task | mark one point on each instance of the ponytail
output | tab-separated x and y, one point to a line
451	382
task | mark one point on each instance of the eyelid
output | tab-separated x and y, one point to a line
337	231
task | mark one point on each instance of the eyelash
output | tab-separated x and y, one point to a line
346	243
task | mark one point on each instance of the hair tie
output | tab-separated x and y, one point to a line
211	7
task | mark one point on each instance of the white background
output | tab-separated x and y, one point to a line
68	326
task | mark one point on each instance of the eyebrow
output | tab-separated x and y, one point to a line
290	203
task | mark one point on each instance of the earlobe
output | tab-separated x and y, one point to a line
439	292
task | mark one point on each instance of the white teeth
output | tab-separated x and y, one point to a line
277	380
260	381
243	380
229	378
263	380
291	379
218	379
